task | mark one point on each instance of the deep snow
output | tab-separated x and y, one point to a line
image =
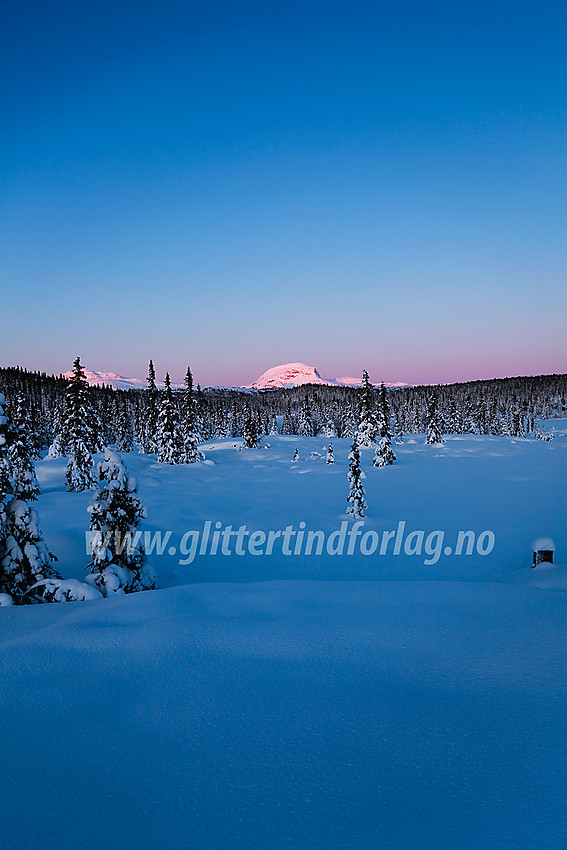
253	703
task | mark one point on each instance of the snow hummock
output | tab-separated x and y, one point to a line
543	544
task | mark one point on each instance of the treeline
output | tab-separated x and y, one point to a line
130	419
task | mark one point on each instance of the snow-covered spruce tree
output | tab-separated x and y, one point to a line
330	454
6	437
192	453
384	454
330	431
170	446
273	426
22	472
119	562
305	421
367	431
250	432
24	558
77	432
295	456
148	444
124	431
356	502
434	432
57	447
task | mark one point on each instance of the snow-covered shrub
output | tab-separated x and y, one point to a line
66	590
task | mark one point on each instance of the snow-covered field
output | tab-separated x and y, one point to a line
302	701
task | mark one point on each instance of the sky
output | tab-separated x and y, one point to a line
231	186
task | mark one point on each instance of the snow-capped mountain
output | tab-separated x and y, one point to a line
287	375
119	382
296	374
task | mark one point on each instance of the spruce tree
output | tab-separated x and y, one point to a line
356	501
24	482
305	422
295	455
330	454
170	445
79	474
192	453
124	430
24	557
367	431
7	435
250	433
119	561
434	432
149	443
384	454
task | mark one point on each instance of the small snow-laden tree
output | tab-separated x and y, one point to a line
124	430
295	456
434	433
398	430
22	471
356	496
119	562
273	426
384	454
348	423
289	425
368	429
78	432
330	431
330	454
250	432
7	435
305	420
26	559
57	447
170	445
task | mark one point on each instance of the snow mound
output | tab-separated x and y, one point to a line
543	544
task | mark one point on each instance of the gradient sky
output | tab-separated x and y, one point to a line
237	185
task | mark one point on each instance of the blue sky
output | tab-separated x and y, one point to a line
232	186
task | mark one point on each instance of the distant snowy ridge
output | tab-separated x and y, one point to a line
119	382
287	375
297	374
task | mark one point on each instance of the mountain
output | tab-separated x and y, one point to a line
287	375
296	374
119	382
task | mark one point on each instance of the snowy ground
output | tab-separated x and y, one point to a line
301	701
